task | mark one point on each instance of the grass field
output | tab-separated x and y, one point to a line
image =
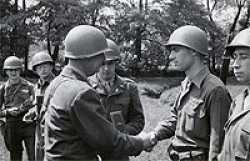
155	110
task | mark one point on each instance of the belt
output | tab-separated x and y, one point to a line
188	156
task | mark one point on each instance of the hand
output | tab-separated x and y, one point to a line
30	116
14	111
26	105
149	141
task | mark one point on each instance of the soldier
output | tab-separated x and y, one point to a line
237	139
75	123
200	111
16	97
42	64
119	96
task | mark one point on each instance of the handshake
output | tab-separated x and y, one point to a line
149	140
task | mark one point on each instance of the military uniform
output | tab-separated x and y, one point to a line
197	118
237	139
75	123
40	88
16	130
123	99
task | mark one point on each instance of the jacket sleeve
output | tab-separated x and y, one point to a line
87	116
2	110
166	128
1	96
219	104
135	115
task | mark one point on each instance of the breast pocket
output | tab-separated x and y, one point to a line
243	144
194	112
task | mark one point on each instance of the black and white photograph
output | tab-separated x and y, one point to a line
124	80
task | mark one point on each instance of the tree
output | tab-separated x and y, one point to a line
14	38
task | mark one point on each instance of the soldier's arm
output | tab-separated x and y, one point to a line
219	104
88	118
2	111
166	128
5	112
135	115
32	92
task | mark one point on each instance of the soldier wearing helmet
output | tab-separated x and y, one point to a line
237	138
119	96
16	97
42	64
76	127
200	110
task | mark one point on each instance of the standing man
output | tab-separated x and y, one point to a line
16	97
237	139
119	96
76	127
42	64
201	108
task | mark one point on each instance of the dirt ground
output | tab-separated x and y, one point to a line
155	109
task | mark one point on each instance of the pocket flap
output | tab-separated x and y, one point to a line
195	106
242	148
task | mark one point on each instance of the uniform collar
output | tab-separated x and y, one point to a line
48	79
199	77
73	73
117	87
101	81
238	108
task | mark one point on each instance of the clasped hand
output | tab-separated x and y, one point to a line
149	141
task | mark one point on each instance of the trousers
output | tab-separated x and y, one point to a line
17	132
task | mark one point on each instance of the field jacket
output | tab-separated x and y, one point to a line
198	117
75	124
237	139
124	97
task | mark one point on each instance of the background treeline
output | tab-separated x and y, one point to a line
141	27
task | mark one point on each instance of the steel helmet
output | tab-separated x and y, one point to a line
114	54
191	37
40	58
242	39
12	62
84	41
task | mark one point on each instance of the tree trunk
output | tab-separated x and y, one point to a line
48	38
55	53
13	34
138	37
212	54
26	40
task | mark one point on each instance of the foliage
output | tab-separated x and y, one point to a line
126	22
156	24
13	30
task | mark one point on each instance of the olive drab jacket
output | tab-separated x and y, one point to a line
75	123
237	139
40	88
14	96
198	117
124	98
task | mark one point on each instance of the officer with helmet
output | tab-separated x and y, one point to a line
237	138
42	64
16	97
76	127
119	96
201	108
